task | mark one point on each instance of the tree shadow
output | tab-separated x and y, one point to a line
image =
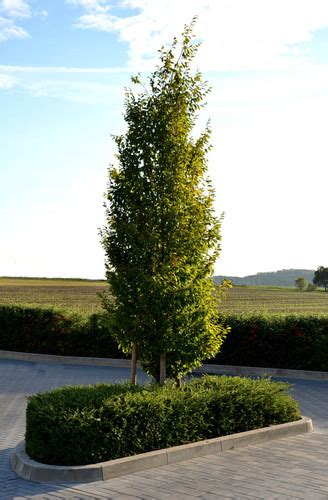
12	486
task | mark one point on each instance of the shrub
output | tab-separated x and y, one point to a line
294	342
81	425
300	283
49	331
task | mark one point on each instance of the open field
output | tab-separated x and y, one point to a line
274	300
80	296
77	296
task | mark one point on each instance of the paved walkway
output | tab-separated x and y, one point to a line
294	467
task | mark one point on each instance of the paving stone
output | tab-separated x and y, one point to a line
295	467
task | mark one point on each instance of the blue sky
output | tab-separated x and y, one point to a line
63	68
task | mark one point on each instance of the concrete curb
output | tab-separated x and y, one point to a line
126	363
65	360
31	470
259	371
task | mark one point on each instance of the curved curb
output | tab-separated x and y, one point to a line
31	470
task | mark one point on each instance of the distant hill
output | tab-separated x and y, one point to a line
285	277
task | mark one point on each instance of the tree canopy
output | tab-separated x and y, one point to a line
300	283
162	236
320	276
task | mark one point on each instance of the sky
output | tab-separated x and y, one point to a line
64	65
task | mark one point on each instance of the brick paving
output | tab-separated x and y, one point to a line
295	467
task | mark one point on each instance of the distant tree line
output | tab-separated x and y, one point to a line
283	277
320	278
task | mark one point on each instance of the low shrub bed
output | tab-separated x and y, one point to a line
84	425
293	341
48	331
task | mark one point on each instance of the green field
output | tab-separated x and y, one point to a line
81	296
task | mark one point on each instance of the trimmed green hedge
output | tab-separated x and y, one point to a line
48	331
272	341
294	342
82	425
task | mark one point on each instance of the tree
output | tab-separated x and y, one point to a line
162	237
321	276
300	283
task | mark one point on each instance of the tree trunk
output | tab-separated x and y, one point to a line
177	381
133	377
162	368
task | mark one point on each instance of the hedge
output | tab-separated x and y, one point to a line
294	342
272	341
48	331
84	425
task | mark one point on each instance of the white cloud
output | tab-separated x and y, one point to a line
95	86
6	82
79	91
236	34
42	14
16	8
13	11
61	69
101	21
88	4
8	30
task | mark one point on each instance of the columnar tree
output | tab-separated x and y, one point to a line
162	237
